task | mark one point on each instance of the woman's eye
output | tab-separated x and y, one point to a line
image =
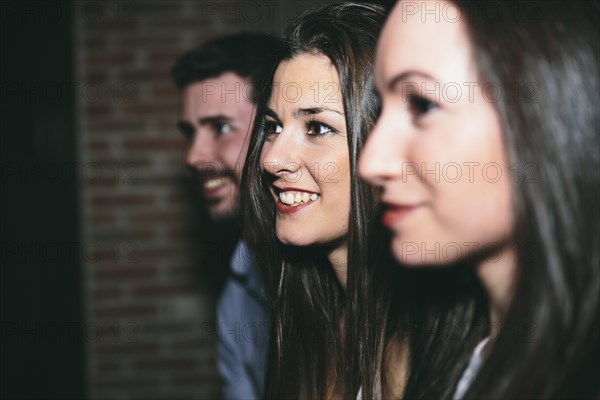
272	128
319	129
419	105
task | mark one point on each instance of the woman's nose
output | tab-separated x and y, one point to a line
382	156
281	154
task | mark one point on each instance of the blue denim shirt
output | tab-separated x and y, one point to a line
244	319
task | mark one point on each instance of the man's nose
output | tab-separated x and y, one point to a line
202	152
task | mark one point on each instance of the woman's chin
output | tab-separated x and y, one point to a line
294	239
407	254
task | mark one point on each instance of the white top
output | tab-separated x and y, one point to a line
467	377
471	371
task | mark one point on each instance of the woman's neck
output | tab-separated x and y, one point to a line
338	257
497	274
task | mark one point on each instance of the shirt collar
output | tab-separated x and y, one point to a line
245	269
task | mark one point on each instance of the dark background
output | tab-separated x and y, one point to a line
41	304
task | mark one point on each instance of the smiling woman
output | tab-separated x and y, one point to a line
301	193
301	139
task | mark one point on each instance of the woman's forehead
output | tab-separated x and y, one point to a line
306	81
425	43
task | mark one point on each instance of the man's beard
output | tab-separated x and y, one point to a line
223	213
227	214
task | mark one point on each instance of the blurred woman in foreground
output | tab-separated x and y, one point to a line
486	151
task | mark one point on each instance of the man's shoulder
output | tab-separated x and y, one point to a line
245	284
243	263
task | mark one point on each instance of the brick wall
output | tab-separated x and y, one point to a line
148	292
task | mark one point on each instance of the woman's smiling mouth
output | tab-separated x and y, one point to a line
291	200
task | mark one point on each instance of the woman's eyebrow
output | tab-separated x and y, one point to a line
270	113
393	83
301	112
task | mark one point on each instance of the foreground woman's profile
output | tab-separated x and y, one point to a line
486	151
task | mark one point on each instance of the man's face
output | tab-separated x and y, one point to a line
216	117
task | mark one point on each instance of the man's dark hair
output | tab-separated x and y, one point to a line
249	55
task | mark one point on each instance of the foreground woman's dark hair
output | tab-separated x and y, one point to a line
315	341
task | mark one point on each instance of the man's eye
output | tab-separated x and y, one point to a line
419	105
272	128
319	129
223	129
186	130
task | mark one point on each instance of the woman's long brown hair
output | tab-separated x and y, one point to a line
325	340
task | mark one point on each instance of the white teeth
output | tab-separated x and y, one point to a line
215	182
297	198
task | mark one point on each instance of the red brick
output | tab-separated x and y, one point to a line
158	216
125	273
177	199
176	162
158	144
166	364
94	43
97	145
149	41
127	311
97	109
180	271
111	166
121	200
99	219
156	254
166	91
110	25
193	344
167	328
125	348
163	290
101	182
169	126
144	75
129	383
109	293
157	8
109	60
198	380
95	77
117	127
162	56
159	180
109	367
147	110
114	133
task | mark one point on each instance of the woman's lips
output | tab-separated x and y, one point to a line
288	209
393	214
290	200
